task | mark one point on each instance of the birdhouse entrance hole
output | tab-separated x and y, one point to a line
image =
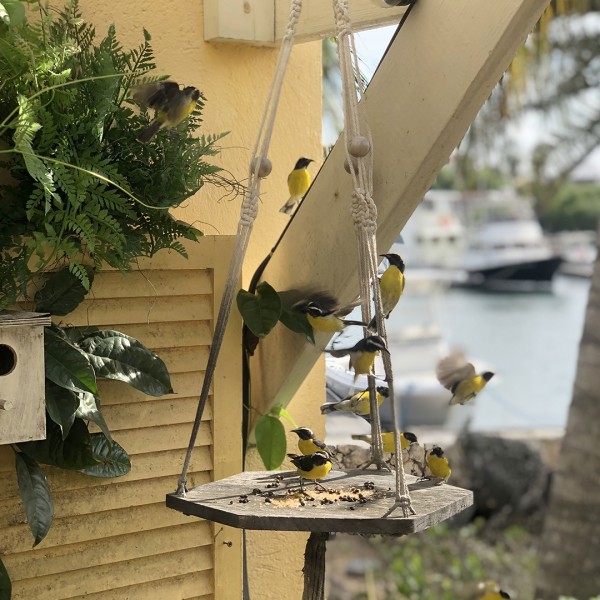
8	360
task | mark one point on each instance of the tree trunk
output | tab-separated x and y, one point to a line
570	543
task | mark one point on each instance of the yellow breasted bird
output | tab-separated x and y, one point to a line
458	375
391	284
314	466
387	437
308	443
438	464
491	591
172	105
298	184
357	404
362	354
327	320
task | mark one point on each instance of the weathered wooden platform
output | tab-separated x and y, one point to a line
357	502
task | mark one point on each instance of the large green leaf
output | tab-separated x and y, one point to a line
113	461
260	311
66	365
270	441
12	12
89	410
36	496
62	293
61	405
5	583
297	321
73	453
118	356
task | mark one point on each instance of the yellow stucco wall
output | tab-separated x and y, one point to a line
235	80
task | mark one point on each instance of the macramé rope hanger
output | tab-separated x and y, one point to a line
260	167
359	157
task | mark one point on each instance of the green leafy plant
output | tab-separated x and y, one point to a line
76	186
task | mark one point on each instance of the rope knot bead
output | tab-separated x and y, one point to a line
354	161
359	146
264	166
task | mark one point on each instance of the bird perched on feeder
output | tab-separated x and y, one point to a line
308	443
490	590
458	375
172	105
362	354
326	319
387	437
313	466
357	404
298	184
438	465
391	284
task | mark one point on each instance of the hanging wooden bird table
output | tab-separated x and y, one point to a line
357	501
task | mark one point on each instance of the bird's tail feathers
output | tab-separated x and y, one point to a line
289	206
148	133
328	407
362	438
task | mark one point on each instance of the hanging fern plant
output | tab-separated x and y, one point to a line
76	187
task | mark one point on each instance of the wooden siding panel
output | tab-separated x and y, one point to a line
39	562
154	283
163	589
105	578
115	538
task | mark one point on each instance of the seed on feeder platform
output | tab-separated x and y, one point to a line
359	146
354	164
265	166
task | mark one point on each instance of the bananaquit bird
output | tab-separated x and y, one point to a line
387	437
362	354
314	466
325	319
438	465
308	443
459	376
358	403
172	105
491	591
298	184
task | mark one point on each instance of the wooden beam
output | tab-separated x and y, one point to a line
435	77
263	22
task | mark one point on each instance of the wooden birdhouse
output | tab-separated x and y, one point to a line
22	408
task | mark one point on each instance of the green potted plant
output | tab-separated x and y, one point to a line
78	190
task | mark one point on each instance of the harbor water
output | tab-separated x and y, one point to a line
529	340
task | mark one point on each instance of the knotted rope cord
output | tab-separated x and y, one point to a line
248	214
364	214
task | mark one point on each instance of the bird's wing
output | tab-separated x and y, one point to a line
454	368
156	95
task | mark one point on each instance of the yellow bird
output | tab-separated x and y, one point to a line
491	591
298	184
362	354
314	466
438	464
392	283
387	437
357	404
172	105
325	319
308	443
459	376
